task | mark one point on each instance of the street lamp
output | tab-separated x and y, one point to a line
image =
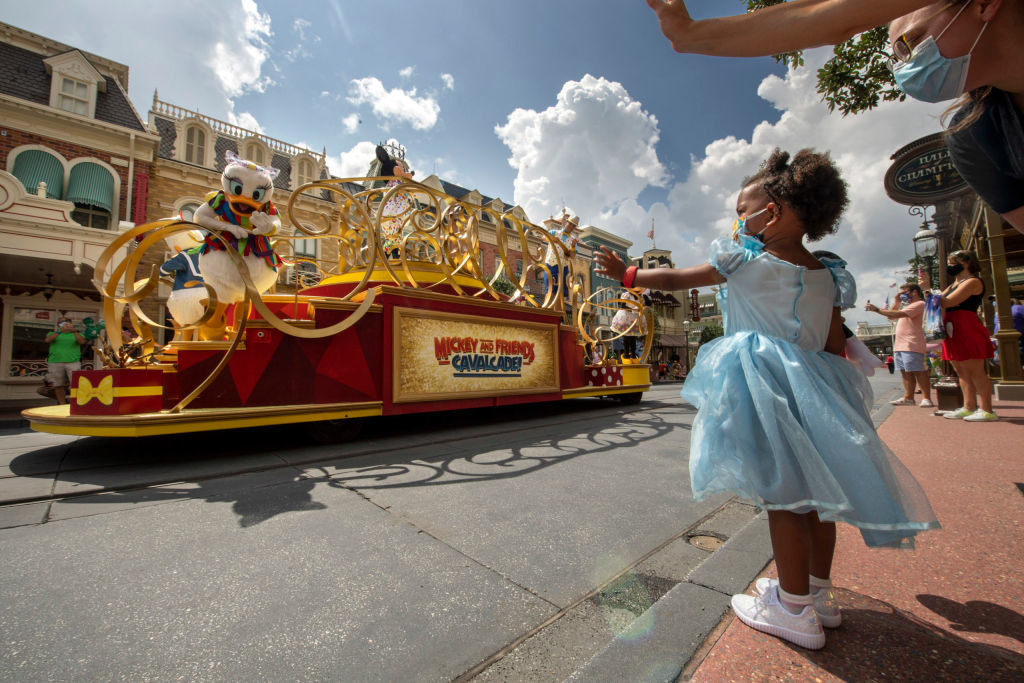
926	241
686	336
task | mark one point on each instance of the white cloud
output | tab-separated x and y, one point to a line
407	72
552	152
354	163
395	105
594	149
238	56
350	122
244	120
306	40
449	81
325	93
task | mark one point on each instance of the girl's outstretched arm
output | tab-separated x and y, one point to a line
836	341
609	264
794	25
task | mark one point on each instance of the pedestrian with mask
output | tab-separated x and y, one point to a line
65	356
909	346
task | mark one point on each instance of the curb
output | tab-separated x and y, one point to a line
662	640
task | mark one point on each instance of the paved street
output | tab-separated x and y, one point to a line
511	545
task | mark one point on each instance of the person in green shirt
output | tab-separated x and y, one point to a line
64	358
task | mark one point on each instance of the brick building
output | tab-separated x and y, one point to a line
74	161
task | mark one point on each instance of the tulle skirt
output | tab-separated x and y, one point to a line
791	429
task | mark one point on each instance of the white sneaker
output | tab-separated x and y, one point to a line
926	404
981	416
902	402
958	414
825	604
766	614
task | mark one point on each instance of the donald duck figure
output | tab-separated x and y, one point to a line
243	216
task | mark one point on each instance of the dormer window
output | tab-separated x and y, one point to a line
74	96
254	153
304	173
195	145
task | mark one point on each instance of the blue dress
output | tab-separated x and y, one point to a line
781	421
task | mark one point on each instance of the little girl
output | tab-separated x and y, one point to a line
782	419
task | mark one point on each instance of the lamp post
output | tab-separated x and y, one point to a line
926	245
686	337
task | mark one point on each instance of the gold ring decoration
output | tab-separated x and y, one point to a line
595	336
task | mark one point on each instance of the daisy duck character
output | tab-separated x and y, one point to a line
188	298
239	217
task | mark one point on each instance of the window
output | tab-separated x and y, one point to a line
74	96
91	216
91	189
519	267
195	145
304	172
254	153
28	348
188	211
305	248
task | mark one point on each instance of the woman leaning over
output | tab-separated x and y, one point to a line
967	343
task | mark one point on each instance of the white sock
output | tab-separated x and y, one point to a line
817	584
794	604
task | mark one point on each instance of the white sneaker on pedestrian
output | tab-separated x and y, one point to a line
926	404
766	614
981	416
902	402
825	604
958	414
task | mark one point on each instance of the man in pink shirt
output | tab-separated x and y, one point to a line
909	345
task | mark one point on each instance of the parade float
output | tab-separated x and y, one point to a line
416	327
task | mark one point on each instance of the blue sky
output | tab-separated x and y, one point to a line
587	99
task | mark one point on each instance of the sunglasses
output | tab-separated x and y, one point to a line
903	49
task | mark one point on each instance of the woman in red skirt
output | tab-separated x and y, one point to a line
967	344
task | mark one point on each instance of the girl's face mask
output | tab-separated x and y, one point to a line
748	241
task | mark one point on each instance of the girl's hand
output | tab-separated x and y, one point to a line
609	264
674	20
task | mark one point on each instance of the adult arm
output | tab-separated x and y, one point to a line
1015	218
48	339
786	27
609	263
892	314
956	294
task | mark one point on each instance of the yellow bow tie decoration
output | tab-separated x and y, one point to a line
104	391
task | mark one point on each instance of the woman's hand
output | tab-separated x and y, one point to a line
609	264
674	20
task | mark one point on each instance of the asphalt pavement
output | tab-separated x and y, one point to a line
526	543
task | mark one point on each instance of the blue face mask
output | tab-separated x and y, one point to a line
739	233
930	77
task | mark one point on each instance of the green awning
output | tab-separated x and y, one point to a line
35	165
91	184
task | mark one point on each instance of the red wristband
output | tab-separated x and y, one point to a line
627	279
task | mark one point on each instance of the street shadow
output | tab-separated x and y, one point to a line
976	616
513	456
239	466
877	641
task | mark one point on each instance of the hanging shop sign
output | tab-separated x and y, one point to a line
439	356
694	305
922	173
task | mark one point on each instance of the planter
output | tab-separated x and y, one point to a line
948	395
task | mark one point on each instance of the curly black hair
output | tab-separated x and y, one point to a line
810	184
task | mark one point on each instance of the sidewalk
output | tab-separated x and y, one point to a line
948	610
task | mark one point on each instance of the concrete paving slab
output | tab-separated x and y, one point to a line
237	488
661	641
19	489
129	476
731	568
340	592
20	515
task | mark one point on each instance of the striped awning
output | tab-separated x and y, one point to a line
91	184
35	165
